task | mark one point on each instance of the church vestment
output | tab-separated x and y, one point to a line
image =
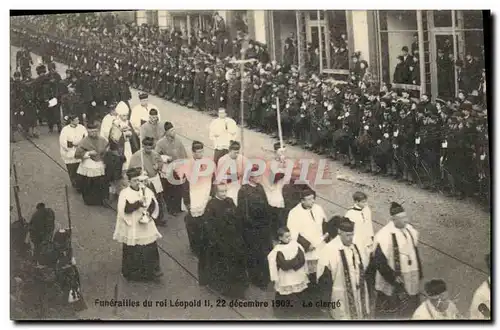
396	254
94	186
140	115
151	163
254	210
68	141
225	170
427	311
136	230
288	271
155	131
363	230
175	150
480	308
195	194
306	227
346	265
225	253
123	142
221	132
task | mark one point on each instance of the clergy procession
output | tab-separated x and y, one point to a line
249	222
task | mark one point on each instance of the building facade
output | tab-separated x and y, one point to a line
435	38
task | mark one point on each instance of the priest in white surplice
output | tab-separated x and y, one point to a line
222	131
70	137
346	262
136	230
288	272
438	305
361	215
107	121
140	113
305	222
278	172
397	267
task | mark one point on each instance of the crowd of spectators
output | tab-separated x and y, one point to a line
440	145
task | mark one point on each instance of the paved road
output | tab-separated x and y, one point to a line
455	235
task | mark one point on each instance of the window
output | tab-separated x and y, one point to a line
442	18
331	32
399	48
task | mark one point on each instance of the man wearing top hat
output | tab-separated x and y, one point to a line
438	305
397	267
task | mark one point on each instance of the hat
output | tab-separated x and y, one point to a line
396	209
234	145
143	96
346	225
134	172
168	126
197	145
92	125
153	112
148	141
122	108
435	287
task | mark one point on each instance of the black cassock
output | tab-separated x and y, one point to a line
255	212
225	260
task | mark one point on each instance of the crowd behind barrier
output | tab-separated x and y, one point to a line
375	128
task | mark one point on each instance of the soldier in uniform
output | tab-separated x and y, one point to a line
199	87
172	69
122	91
22	106
220	88
211	80
247	99
233	94
41	92
105	92
188	90
24	62
256	102
85	87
